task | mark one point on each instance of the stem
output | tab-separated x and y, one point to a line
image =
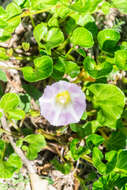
70	50
28	13
32	21
87	158
103	133
7	68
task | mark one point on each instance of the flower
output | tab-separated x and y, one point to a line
62	103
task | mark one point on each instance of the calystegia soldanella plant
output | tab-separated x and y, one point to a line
63	94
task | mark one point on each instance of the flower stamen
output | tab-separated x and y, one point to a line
63	97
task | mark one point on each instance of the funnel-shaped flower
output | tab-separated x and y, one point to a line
62	103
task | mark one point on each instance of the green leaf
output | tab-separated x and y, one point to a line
3	76
110	100
65	168
96	70
41	4
116	141
9	101
97	157
32	92
76	152
86	6
40	32
54	38
58	69
62	11
121	5
122	160
53	21
94	139
108	39
71	68
36	144
43	69
111	157
110	181
12	10
121	59
16	114
3	54
82	37
12	164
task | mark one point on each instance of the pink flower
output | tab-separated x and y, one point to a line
62	103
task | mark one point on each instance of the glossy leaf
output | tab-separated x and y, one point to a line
54	38
96	71
12	164
110	101
3	54
40	32
71	68
108	39
36	143
121	59
76	152
41	4
122	160
16	114
9	101
3	76
65	168
82	37
97	157
43	69
121	5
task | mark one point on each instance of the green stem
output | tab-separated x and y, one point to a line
32	21
70	50
7	68
87	158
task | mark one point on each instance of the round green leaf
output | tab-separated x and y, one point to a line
121	5
36	143
71	68
9	101
96	71
121	59
110	100
40	31
41	4
16	114
122	160
108	39
54	38
3	76
43	69
82	37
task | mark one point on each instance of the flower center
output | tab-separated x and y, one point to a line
63	97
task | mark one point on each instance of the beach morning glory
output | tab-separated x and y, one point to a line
62	103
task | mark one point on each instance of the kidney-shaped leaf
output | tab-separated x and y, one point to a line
110	100
121	5
96	71
54	38
121	59
43	69
36	143
122	160
9	101
41	4
108	39
82	37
